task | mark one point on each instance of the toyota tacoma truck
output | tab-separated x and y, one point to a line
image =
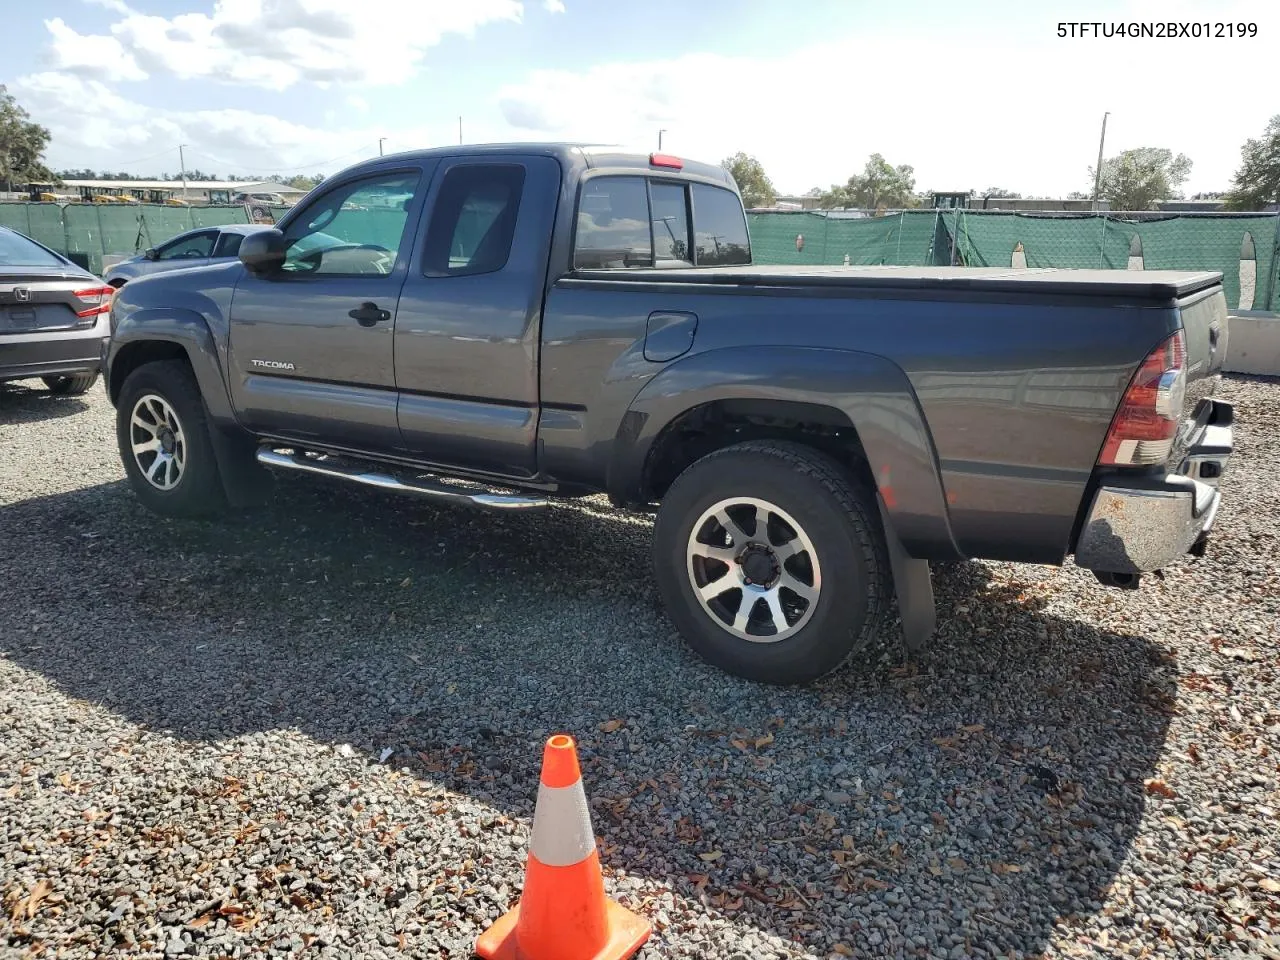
506	325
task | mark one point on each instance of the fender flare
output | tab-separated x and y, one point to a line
186	329
872	393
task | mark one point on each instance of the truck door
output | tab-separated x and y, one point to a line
311	344
467	333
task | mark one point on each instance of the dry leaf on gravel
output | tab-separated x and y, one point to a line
26	908
612	726
1158	788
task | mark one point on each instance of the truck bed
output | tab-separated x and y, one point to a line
1146	286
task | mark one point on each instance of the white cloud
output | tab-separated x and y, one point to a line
982	109
101	57
94	126
115	6
357	103
553	6
279	43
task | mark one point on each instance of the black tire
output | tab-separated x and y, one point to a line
841	522
71	385
197	492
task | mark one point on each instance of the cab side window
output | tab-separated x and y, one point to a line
356	229
473	222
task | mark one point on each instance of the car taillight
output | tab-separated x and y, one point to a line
96	300
1144	427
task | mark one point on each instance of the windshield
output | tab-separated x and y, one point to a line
17	251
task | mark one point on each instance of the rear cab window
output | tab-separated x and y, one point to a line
629	222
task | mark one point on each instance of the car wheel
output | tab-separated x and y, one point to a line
163	435
771	561
71	385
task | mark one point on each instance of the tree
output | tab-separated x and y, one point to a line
880	186
22	144
302	183
1000	192
1257	182
1139	179
753	183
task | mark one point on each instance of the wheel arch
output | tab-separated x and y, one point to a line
857	407
147	335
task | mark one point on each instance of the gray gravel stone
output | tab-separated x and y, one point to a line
192	717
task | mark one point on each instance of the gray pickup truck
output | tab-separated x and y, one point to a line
506	325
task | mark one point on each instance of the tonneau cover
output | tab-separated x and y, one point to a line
1158	285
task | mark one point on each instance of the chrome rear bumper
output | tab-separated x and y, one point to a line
1144	523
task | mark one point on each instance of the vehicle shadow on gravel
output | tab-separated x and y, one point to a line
21	403
972	801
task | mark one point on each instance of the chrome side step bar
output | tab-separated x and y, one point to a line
330	467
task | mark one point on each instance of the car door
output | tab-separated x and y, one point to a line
311	343
467	333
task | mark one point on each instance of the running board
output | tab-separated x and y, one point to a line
385	481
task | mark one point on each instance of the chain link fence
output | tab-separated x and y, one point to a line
1245	247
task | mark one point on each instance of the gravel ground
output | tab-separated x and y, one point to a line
317	731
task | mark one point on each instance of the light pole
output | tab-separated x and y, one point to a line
459	131
1097	172
381	141
660	133
183	163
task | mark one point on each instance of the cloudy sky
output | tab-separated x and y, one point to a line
973	95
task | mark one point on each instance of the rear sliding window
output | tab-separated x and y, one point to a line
719	228
627	222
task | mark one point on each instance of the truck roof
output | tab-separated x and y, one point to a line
591	155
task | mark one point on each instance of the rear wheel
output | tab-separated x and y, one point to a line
70	385
164	442
771	562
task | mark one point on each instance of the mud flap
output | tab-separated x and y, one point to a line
914	586
246	482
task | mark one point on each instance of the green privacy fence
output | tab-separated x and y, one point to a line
95	230
1242	246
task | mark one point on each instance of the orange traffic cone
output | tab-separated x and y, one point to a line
563	914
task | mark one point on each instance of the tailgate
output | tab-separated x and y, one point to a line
1204	325
1204	322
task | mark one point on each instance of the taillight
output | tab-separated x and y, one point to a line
96	299
1143	430
665	160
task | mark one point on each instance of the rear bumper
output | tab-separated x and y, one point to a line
34	357
1143	523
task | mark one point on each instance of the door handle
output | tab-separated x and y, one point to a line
368	313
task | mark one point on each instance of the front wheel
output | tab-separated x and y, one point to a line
164	442
71	385
771	562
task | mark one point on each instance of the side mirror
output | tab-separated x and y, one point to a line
263	251
151	253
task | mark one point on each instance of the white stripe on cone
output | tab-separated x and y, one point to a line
562	834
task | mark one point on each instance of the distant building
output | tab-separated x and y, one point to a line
196	191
